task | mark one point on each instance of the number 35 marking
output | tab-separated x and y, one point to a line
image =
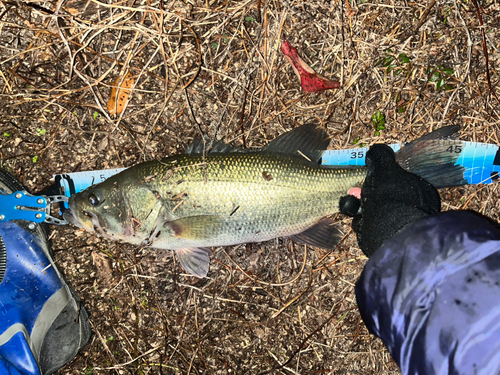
357	155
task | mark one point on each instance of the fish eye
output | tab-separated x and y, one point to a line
93	200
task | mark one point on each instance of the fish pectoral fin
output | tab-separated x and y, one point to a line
195	260
201	227
325	234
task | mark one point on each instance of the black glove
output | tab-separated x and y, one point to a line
391	198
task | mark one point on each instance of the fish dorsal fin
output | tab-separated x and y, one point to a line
222	148
309	140
198	146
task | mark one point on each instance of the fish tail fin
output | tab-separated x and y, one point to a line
434	157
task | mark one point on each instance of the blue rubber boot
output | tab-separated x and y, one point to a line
42	323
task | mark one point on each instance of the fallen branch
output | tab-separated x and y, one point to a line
485	49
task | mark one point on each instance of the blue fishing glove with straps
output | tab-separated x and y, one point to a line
391	198
42	323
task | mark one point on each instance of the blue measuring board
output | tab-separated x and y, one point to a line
481	162
355	156
72	183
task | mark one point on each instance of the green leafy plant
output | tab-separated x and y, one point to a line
40	132
391	62
95	115
400	107
356	142
6	135
445	13
439	75
35	158
378	122
249	19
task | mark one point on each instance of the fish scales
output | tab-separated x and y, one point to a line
257	196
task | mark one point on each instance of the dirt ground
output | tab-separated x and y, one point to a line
215	67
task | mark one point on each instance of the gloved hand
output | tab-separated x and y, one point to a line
391	198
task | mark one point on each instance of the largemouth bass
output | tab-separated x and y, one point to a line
227	196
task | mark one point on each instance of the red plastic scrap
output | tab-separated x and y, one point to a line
309	79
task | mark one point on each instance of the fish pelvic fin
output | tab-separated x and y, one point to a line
325	234
308	140
195	260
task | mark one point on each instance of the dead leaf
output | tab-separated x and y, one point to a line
309	79
103	144
103	265
119	96
80	8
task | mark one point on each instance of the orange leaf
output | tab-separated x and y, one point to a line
120	95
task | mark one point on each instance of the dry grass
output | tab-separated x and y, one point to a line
215	67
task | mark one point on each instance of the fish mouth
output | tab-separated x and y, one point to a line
70	217
91	224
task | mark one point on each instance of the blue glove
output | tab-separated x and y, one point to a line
42	325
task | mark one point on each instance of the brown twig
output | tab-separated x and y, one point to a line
424	15
243	113
294	299
485	49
